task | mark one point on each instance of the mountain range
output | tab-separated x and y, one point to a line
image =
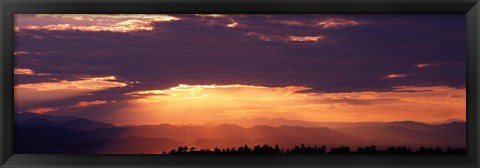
39	133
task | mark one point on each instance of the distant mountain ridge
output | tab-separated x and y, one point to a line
39	133
73	123
287	122
21	117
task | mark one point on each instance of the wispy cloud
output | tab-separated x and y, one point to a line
101	23
424	65
26	71
305	38
211	15
325	23
33	93
338	23
186	92
263	37
96	17
392	76
89	103
233	25
92	83
220	20
288	38
289	22
20	53
123	27
43	110
23	71
82	104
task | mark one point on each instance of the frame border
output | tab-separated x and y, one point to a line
471	8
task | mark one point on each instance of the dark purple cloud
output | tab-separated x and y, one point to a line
203	50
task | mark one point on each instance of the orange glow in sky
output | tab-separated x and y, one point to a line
288	58
148	83
199	104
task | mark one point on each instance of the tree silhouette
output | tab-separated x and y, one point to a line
429	150
247	149
303	149
233	150
398	150
182	149
456	151
367	149
241	150
342	149
277	149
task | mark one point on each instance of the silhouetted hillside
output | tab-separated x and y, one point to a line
74	123
85	125
22	117
43	133
126	145
304	149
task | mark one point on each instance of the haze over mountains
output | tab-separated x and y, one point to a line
37	133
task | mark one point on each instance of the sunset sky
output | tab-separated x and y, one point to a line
200	68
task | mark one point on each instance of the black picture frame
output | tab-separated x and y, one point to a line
8	159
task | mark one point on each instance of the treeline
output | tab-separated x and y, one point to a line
302	149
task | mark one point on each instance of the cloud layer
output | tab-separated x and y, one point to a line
112	58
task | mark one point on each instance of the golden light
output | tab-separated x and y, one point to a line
43	110
305	38
337	23
288	38
50	91
396	75
119	27
93	83
289	22
23	71
98	23
232	25
423	65
26	71
89	103
221	92
93	17
200	104
211	15
20	53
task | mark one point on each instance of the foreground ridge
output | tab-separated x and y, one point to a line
302	149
